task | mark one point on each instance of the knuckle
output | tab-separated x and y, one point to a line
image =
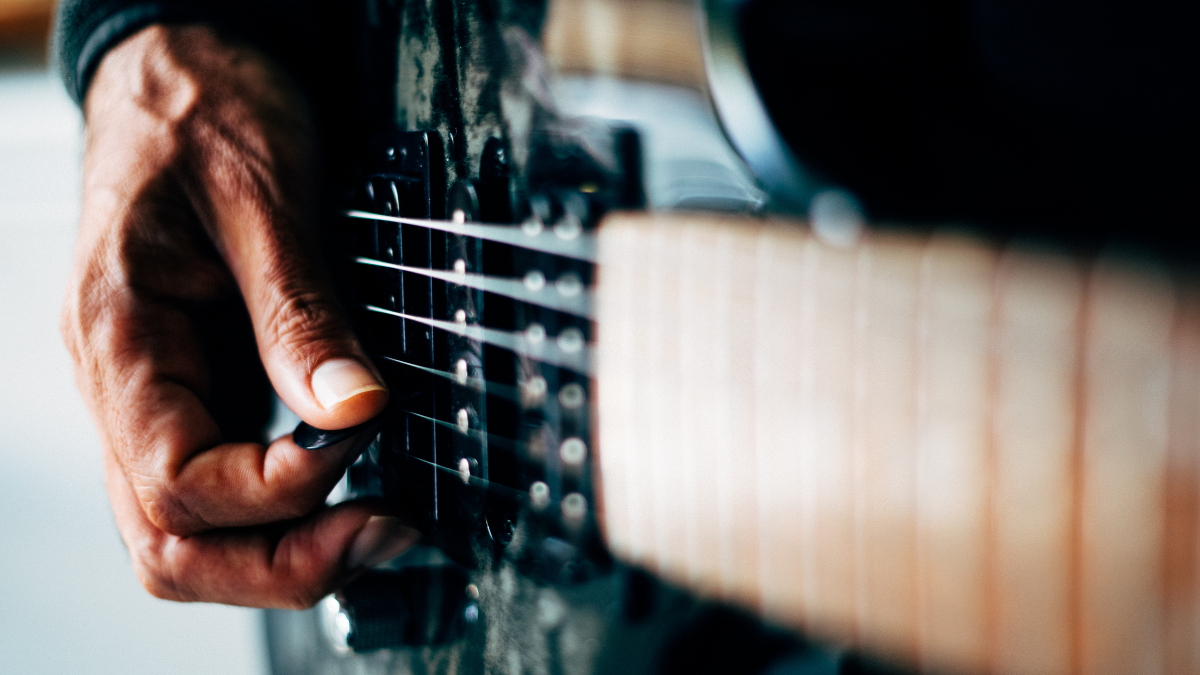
305	598
165	510
299	503
157	586
299	319
303	584
150	567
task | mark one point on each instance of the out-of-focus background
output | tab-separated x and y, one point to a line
69	601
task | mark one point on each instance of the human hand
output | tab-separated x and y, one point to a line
199	184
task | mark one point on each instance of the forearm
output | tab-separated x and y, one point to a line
965	457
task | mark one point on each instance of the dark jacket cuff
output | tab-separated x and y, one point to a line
86	29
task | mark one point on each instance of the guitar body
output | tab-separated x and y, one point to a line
484	338
961	451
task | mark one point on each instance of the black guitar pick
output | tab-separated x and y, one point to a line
312	438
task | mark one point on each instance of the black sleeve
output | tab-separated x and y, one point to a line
86	29
294	32
340	53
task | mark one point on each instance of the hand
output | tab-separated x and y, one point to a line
199	188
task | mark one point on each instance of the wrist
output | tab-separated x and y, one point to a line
168	71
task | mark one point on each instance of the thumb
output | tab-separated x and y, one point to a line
309	351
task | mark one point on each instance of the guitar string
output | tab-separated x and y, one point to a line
575	358
575	301
568	242
474	480
477	384
523	448
477	435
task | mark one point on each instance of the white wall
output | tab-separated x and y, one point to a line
69	602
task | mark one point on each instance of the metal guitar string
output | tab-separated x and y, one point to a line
535	345
548	297
533	236
545	351
475	480
480	385
475	383
479	436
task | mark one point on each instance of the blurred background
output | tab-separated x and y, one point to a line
69	601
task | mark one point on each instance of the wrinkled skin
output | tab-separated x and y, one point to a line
199	185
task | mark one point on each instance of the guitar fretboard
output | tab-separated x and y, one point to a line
969	458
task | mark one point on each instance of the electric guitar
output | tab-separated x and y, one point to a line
701	442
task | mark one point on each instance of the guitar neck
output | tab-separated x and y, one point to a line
961	456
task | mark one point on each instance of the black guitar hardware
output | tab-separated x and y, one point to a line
468	259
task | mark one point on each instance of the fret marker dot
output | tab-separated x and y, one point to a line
460	316
535	280
573	451
570	340
539	495
459	217
574	508
460	266
571	396
463	419
460	371
535	333
464	470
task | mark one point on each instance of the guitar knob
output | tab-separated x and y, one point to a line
384	609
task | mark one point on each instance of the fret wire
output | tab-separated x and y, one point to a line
548	297
547	352
580	247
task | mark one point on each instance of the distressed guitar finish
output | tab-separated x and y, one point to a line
484	334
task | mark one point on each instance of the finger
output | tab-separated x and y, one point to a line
260	213
152	379
288	566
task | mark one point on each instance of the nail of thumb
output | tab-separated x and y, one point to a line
382	538
337	380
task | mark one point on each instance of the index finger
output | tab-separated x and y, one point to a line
288	566
187	479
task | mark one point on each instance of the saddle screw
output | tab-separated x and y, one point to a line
571	396
539	495
570	340
573	451
535	333
535	280
574	508
569	285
